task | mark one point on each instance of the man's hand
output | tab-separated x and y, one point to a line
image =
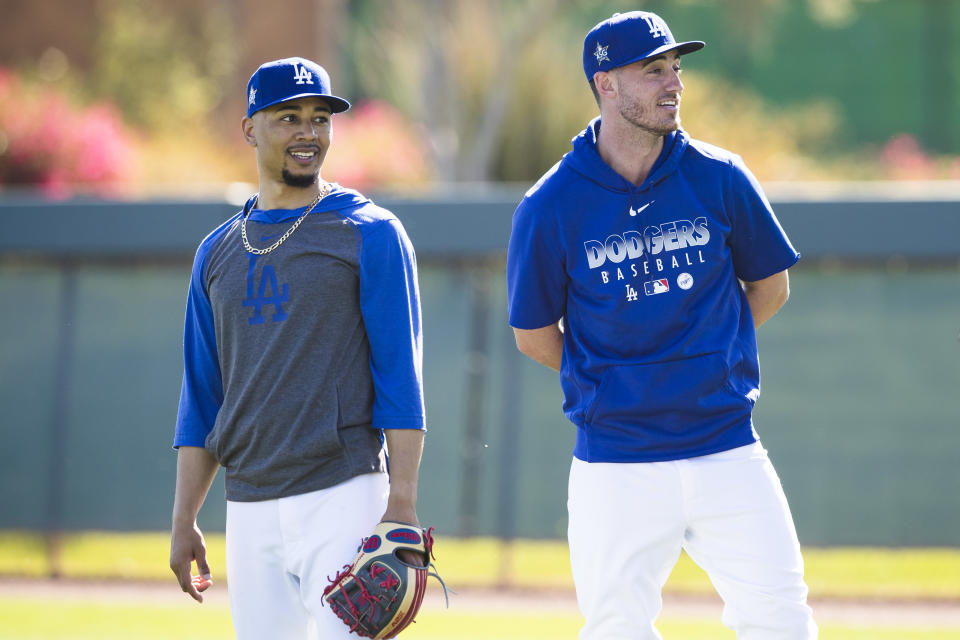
186	546
196	469
405	448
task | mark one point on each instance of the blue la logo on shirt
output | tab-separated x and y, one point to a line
277	295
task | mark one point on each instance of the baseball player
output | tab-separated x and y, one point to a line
639	268
303	358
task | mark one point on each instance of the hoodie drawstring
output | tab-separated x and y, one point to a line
639	212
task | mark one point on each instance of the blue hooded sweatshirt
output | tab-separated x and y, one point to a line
659	349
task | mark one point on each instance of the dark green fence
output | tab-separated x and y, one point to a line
860	407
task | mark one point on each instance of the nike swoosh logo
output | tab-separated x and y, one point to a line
635	212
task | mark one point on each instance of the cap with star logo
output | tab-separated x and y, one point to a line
626	38
289	79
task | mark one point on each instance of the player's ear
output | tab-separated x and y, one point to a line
246	125
605	84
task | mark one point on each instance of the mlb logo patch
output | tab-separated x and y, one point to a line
654	287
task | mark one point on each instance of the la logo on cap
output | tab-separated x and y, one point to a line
301	75
658	28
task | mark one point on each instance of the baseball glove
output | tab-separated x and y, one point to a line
379	594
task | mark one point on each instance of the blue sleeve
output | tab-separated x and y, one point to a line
758	243
201	393
390	304
536	271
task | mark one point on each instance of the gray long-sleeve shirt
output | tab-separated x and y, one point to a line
295	360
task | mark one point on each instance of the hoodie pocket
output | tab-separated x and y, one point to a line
672	395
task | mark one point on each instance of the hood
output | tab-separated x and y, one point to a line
338	199
586	160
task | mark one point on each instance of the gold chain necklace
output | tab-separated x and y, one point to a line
243	224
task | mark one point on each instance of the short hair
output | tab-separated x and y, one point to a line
596	94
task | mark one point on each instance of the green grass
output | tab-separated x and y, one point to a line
850	573
41	619
27	618
484	562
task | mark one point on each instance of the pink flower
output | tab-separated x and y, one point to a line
904	159
51	144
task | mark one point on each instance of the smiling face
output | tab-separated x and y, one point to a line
648	93
292	139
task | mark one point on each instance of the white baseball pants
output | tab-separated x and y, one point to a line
281	552
628	523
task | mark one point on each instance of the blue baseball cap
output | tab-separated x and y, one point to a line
626	38
289	79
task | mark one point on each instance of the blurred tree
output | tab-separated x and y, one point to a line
29	28
833	13
942	76
552	102
163	66
376	146
266	31
778	143
748	24
499	89
495	86
450	64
